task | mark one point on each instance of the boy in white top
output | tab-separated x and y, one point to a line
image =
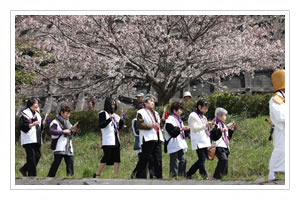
175	135
200	137
277	116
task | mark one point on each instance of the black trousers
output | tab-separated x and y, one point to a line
222	166
69	160
150	148
33	155
150	167
199	164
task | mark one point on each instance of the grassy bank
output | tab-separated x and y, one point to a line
250	153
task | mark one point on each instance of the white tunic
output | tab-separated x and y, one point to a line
178	143
277	116
220	142
151	134
199	138
62	141
30	136
108	133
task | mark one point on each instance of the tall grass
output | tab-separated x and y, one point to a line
248	160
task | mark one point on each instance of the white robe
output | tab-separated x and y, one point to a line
277	116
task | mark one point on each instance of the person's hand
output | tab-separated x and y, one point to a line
223	129
208	124
36	123
74	129
155	125
213	121
66	131
111	116
186	128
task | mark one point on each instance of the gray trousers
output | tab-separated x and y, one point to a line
175	168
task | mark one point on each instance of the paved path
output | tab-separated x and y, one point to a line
92	181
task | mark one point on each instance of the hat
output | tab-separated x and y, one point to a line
148	96
187	94
140	94
278	80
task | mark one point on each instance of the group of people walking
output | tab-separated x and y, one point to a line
148	128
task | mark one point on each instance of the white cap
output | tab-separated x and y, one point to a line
187	94
140	94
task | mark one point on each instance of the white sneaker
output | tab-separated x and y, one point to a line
271	176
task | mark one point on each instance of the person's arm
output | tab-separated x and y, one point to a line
195	125
140	124
215	133
136	130
24	124
121	123
103	122
55	131
230	133
173	131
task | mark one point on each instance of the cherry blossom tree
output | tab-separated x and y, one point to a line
167	52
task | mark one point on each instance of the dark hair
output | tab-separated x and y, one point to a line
202	102
141	105
107	105
176	106
64	108
93	102
31	101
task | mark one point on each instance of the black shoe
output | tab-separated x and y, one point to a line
188	177
22	171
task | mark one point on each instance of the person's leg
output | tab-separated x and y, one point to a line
173	165
157	159
69	160
147	148
182	163
151	167
30	159
116	160
37	149
222	160
193	168
202	154
116	169
133	174
55	165
100	169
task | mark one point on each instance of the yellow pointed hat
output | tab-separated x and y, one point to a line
278	80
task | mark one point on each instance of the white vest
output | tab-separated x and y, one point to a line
108	133
199	138
220	142
277	116
62	141
30	136
178	143
149	135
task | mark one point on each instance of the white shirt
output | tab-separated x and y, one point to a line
151	134
178	143
108	133
30	136
199	138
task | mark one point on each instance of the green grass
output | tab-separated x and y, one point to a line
248	160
